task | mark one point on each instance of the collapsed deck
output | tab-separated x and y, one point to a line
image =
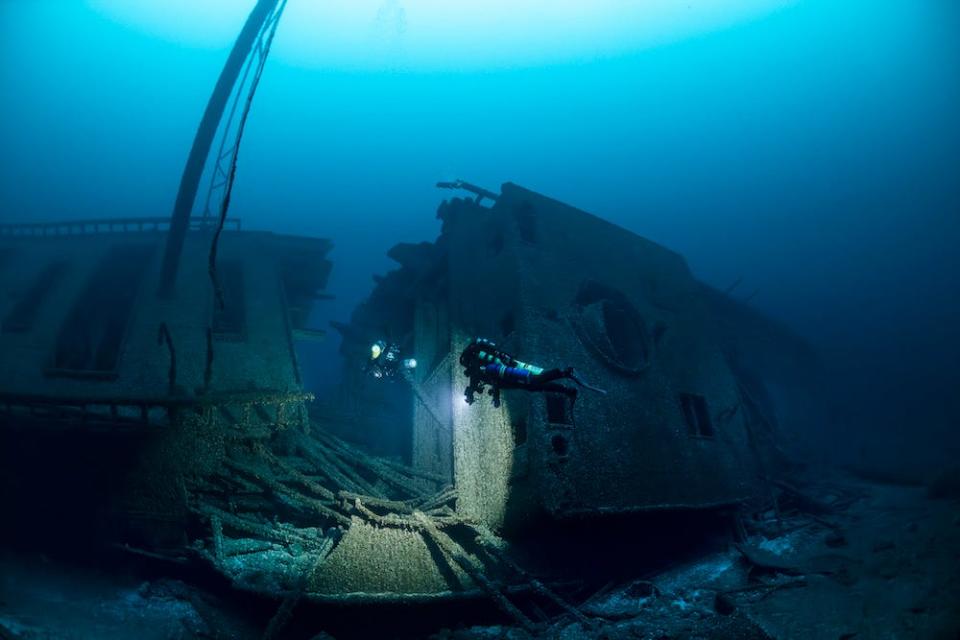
178	429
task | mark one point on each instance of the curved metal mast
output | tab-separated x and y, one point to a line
259	25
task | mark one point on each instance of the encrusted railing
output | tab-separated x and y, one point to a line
103	226
260	407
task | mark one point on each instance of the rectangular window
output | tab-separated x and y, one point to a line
230	321
91	338
23	314
558	409
696	414
519	428
526	219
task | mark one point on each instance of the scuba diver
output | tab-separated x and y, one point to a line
385	361
486	365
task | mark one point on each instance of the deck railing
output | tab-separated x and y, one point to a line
241	409
105	226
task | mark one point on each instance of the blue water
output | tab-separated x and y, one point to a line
813	151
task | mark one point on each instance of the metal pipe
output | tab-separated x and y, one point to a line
192	172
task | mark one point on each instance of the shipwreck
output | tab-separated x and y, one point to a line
151	396
178	428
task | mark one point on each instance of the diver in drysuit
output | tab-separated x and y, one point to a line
385	362
486	365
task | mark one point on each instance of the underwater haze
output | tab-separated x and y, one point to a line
809	149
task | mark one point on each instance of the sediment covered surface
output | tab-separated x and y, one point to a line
840	558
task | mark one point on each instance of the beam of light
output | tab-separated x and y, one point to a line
443	34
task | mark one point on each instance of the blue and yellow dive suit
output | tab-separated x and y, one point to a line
385	362
486	365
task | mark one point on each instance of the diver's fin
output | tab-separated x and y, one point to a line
580	381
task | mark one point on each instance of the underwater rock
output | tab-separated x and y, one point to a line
765	560
724	604
883	545
835	539
945	485
623	603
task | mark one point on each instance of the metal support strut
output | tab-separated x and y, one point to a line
206	132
